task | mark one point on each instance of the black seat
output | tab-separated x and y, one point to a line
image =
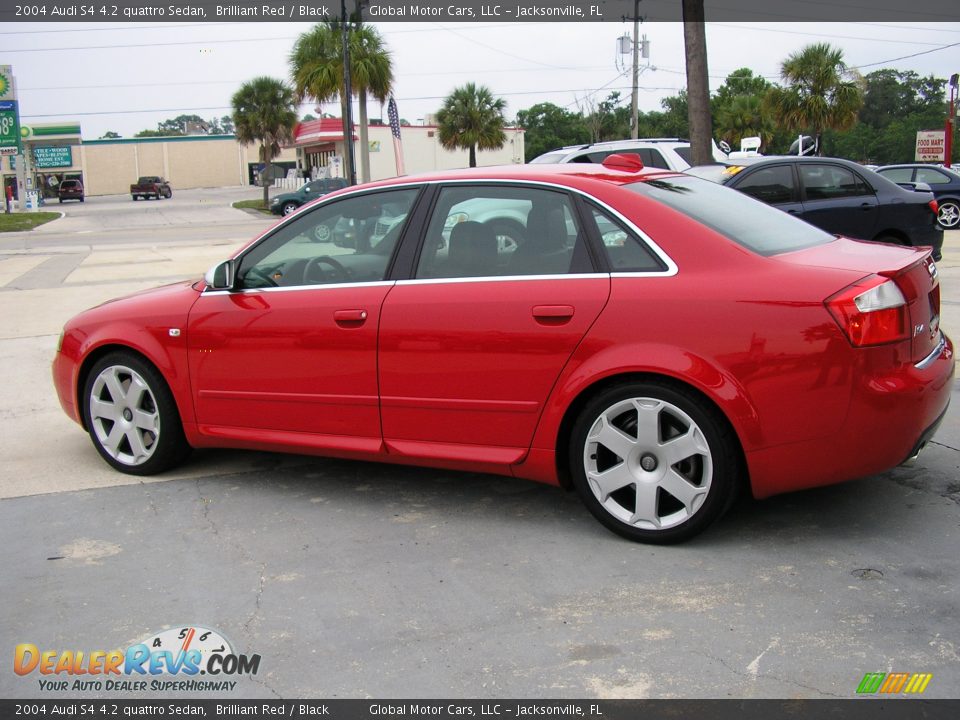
545	249
473	250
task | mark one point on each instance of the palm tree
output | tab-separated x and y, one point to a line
744	116
316	64
264	111
471	118
821	93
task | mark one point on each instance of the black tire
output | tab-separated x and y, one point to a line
288	207
892	240
709	476
135	198
162	448
167	193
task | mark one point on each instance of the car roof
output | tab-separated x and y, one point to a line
565	174
615	144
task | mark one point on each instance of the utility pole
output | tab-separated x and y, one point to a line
951	119
635	97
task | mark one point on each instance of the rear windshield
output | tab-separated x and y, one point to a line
748	222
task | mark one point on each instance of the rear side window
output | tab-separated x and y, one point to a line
624	250
747	222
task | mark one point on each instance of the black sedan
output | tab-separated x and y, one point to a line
836	195
945	185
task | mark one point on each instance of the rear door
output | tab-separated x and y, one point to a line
838	200
471	346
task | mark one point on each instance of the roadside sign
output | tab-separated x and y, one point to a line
52	157
931	146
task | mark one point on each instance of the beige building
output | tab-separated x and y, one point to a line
109	166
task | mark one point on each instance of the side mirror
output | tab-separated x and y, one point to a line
222	276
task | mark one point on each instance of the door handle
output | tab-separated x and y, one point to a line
866	206
793	212
349	317
556	313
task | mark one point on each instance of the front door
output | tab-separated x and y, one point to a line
293	348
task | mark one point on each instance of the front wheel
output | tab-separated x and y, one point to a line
131	416
288	207
653	462
948	214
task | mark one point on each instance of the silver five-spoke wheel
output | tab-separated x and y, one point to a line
653	461
131	415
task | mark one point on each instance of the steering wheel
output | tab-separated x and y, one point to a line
314	263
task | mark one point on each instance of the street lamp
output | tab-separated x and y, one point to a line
951	116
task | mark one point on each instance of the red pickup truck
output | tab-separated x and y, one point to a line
151	186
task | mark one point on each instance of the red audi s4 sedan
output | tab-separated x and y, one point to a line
653	340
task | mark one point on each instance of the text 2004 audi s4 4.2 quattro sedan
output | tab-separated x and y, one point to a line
654	340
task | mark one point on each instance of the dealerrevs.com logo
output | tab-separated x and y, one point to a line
180	659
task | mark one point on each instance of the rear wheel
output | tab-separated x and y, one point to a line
131	416
653	462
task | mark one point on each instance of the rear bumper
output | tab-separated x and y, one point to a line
891	415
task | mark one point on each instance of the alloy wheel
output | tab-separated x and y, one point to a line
124	415
648	463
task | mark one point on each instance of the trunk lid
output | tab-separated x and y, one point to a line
912	269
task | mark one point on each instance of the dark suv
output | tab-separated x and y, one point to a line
70	190
836	195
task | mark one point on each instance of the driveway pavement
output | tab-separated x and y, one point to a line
361	580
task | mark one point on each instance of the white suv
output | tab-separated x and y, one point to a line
666	153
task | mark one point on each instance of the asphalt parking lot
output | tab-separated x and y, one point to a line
361	580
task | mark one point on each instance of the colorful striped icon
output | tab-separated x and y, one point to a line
894	683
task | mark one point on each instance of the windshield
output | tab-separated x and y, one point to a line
748	222
550	157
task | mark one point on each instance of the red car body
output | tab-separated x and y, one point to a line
491	374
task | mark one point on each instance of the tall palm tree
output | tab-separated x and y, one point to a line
821	93
264	111
472	118
316	64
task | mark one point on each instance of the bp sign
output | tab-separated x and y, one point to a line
9	128
9	117
52	157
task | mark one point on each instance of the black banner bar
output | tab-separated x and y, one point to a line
448	11
854	709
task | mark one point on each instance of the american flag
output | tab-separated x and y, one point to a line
394	118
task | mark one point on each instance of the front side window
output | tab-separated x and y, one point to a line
828	182
487	231
769	184
347	240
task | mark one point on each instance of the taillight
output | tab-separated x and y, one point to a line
872	311
934	206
